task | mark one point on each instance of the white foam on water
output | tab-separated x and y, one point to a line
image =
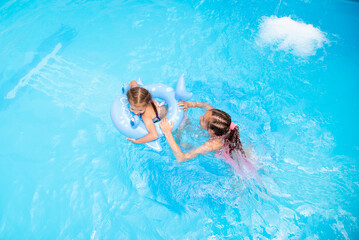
341	228
290	161
93	234
36	70
306	210
286	34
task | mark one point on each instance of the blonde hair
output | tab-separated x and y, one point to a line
140	96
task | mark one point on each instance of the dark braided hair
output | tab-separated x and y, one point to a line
220	123
140	96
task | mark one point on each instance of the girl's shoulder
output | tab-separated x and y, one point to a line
149	112
215	144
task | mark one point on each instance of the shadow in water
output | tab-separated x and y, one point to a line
49	48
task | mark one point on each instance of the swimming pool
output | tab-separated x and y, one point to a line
286	71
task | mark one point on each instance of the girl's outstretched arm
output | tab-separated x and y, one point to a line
208	146
185	105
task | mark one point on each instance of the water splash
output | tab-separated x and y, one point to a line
286	34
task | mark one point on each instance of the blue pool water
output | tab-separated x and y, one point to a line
286	71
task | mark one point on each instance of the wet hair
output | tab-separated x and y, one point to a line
232	151
140	96
220	123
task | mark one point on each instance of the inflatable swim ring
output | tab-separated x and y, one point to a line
132	125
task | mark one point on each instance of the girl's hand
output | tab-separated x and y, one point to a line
133	84
132	140
183	105
165	126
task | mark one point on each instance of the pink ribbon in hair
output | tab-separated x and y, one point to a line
232	126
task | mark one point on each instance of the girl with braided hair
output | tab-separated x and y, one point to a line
224	139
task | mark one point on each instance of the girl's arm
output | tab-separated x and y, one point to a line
185	105
208	146
152	132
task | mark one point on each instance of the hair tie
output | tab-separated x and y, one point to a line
232	126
